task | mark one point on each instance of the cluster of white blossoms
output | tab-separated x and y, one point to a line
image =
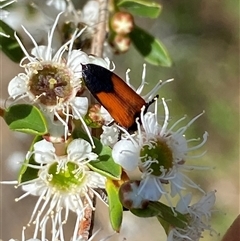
52	81
66	158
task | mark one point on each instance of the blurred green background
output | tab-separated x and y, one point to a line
202	38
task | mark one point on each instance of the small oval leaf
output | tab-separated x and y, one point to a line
141	8
25	118
105	165
150	48
9	44
162	211
115	206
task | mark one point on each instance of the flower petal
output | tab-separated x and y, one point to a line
109	136
183	203
17	86
90	12
40	52
80	105
150	124
126	154
105	115
99	61
149	189
44	152
75	59
36	189
79	150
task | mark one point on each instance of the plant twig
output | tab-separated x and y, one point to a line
86	224
98	43
100	35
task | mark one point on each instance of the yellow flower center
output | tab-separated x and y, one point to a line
158	154
67	178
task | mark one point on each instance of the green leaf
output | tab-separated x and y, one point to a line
166	226
150	48
27	173
141	8
9	45
105	164
115	206
25	118
162	211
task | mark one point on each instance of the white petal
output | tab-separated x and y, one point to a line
40	52
126	154
90	12
80	149
35	189
95	180
44	146
3	14
176	184
105	115
44	151
80	105
149	189
179	146
109	136
17	86
151	124
183	203
75	59
98	61
206	202
60	5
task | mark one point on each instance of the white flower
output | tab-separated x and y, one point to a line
30	15
90	13
198	215
60	5
52	80
160	154
85	18
62	183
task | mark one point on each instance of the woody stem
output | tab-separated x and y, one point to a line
86	224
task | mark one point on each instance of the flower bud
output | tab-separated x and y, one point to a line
94	117
122	23
121	43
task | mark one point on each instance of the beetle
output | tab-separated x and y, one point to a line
114	94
